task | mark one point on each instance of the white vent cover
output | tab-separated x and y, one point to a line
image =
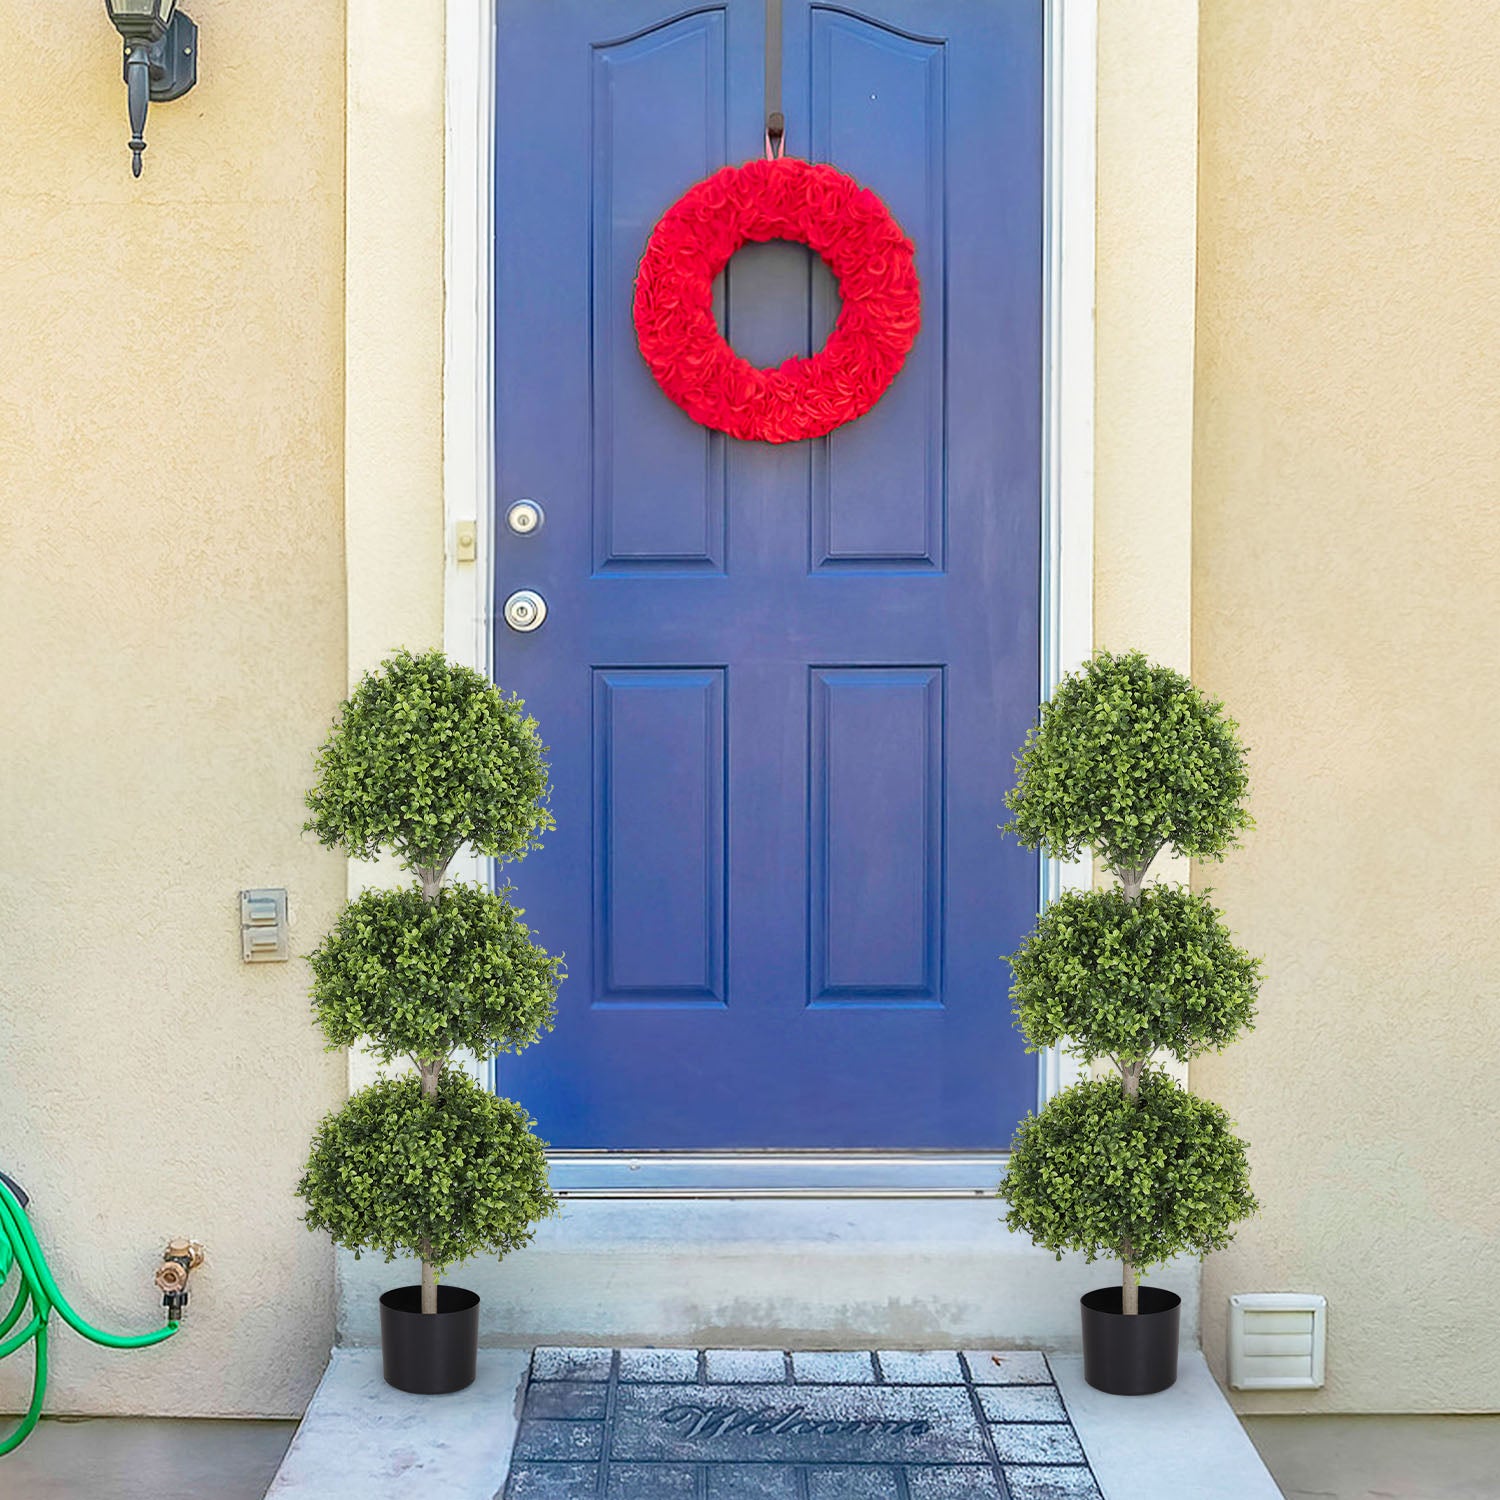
1277	1341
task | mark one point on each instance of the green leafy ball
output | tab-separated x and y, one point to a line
426	756
1128	757
1096	1169
420	978
444	1178
1122	979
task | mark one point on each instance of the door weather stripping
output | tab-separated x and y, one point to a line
774	1174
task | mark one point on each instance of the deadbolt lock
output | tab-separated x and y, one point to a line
525	610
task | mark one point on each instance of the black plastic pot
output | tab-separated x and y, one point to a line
1133	1356
429	1354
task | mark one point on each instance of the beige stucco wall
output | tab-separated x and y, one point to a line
172	645
1145	255
394	299
1346	578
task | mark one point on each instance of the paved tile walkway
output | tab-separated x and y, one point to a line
754	1424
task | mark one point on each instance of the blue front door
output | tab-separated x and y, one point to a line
782	685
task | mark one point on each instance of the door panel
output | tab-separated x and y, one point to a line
875	773
781	683
660	874
659	102
878	491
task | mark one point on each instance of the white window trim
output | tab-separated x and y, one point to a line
1067	501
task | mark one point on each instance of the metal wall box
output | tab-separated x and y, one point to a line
1277	1341
264	934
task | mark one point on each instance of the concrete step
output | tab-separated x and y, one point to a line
783	1273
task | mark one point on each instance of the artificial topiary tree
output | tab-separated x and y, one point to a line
1130	758
425	758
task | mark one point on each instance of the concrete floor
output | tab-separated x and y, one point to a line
1381	1458
138	1458
363	1441
1312	1458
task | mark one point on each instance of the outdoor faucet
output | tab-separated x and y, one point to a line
178	1261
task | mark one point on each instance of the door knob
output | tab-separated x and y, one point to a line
525	517
525	610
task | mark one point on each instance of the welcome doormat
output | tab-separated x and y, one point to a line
755	1424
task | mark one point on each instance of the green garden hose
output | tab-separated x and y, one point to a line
37	1292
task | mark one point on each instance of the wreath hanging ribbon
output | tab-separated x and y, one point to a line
783	198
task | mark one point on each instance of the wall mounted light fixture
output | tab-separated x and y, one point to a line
161	59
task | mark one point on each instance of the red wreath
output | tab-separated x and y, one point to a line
780	199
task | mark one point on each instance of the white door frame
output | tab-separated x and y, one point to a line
1066	499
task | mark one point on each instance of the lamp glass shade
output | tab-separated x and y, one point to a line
137	14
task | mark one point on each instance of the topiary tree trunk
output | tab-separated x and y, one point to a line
1129	759
430	1069
426	758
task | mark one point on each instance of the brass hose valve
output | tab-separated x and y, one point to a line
170	1277
178	1261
